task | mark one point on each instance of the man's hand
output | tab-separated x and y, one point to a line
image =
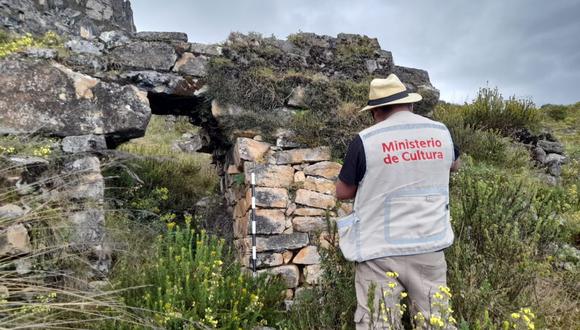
345	191
455	165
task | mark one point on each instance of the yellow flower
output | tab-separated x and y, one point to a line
392	285
445	290
392	274
170	225
436	321
403	294
515	316
437	295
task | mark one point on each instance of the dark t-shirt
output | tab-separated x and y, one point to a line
355	164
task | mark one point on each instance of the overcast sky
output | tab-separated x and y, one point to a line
530	48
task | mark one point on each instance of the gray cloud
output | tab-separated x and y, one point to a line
527	48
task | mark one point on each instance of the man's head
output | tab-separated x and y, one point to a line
381	113
387	96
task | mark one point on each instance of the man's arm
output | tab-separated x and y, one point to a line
456	162
345	191
353	170
455	165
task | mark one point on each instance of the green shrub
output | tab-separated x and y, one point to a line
331	304
485	145
153	164
490	110
503	227
556	112
187	181
190	281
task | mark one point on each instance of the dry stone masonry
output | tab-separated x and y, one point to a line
296	204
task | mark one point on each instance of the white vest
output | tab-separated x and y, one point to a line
402	203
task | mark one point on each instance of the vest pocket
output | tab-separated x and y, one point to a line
347	238
415	219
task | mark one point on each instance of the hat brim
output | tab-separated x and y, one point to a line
411	98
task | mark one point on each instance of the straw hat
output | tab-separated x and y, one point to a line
389	91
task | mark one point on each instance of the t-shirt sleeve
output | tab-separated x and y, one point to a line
354	166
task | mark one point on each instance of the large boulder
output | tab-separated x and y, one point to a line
85	18
39	97
144	55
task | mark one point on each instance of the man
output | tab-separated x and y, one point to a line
398	170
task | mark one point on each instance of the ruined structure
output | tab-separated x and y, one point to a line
255	98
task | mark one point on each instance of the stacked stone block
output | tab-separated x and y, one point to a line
295	200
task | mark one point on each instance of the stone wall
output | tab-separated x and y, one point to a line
295	205
86	18
65	197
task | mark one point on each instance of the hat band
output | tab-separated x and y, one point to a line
388	99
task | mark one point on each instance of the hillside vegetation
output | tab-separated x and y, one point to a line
514	264
515	252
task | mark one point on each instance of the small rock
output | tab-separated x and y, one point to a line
89	182
290	210
114	38
307	256
309	224
192	65
297	97
84	143
269	221
539	155
285	139
551	147
555	158
144	55
84	47
299	176
555	169
87	228
371	66
289	294
203	49
23	266
43	53
328	170
315	199
14	240
161	36
312	274
289	274
309	212
273	243
321	185
287	256
297	156
269	259
220	110
247	149
275	176
11	211
269	197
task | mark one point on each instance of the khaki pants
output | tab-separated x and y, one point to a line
419	275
